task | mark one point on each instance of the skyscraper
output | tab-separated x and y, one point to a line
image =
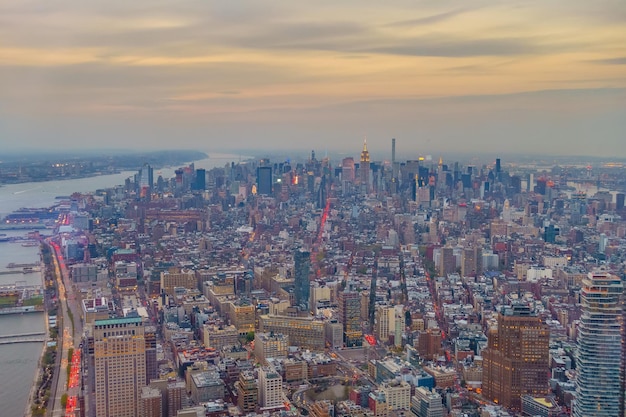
599	360
447	261
264	180
146	181
270	388
247	392
364	168
200	180
472	262
517	357
350	317
302	268
120	366
394	171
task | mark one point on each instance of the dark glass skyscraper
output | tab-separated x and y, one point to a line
264	180
349	313
302	268
200	182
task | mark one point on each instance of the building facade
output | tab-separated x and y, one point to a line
302	268
120	366
270	388
599	359
350	317
516	361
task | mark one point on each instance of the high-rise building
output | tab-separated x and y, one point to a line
394	172
264	180
302	268
150	403
350	317
146	181
599	358
397	394
364	168
447	261
347	169
389	321
152	368
472	263
270	388
200	180
383	322
175	392
426	403
619	201
120	366
247	392
516	360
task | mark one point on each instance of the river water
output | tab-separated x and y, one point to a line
18	362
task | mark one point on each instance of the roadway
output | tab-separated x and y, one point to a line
70	337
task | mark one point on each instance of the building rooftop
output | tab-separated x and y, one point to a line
124	320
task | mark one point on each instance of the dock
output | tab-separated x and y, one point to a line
21	310
34	337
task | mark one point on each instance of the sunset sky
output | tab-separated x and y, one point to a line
439	76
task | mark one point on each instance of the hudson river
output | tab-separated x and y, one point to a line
18	362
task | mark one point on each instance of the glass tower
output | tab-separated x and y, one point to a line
599	358
302	268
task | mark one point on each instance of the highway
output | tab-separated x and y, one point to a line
70	338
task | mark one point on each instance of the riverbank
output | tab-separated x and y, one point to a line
41	389
37	403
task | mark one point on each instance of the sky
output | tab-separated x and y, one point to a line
535	76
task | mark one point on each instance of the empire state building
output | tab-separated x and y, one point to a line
364	168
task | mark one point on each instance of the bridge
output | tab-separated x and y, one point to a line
21	335
23	340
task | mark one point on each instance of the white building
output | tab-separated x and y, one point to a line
270	388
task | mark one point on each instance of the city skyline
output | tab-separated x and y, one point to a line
438	76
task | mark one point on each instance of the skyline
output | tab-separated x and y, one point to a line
513	77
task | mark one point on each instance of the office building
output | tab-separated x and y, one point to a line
364	169
447	261
270	345
472	263
389	323
540	407
270	388
150	402
347	169
175	395
242	315
397	394
349	313
516	361
207	386
426	403
247	392
264	180
178	278
218	337
599	359
304	332
302	269
120	366
146	181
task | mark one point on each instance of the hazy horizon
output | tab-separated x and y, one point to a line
513	77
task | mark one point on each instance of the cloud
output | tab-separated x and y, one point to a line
428	20
611	61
